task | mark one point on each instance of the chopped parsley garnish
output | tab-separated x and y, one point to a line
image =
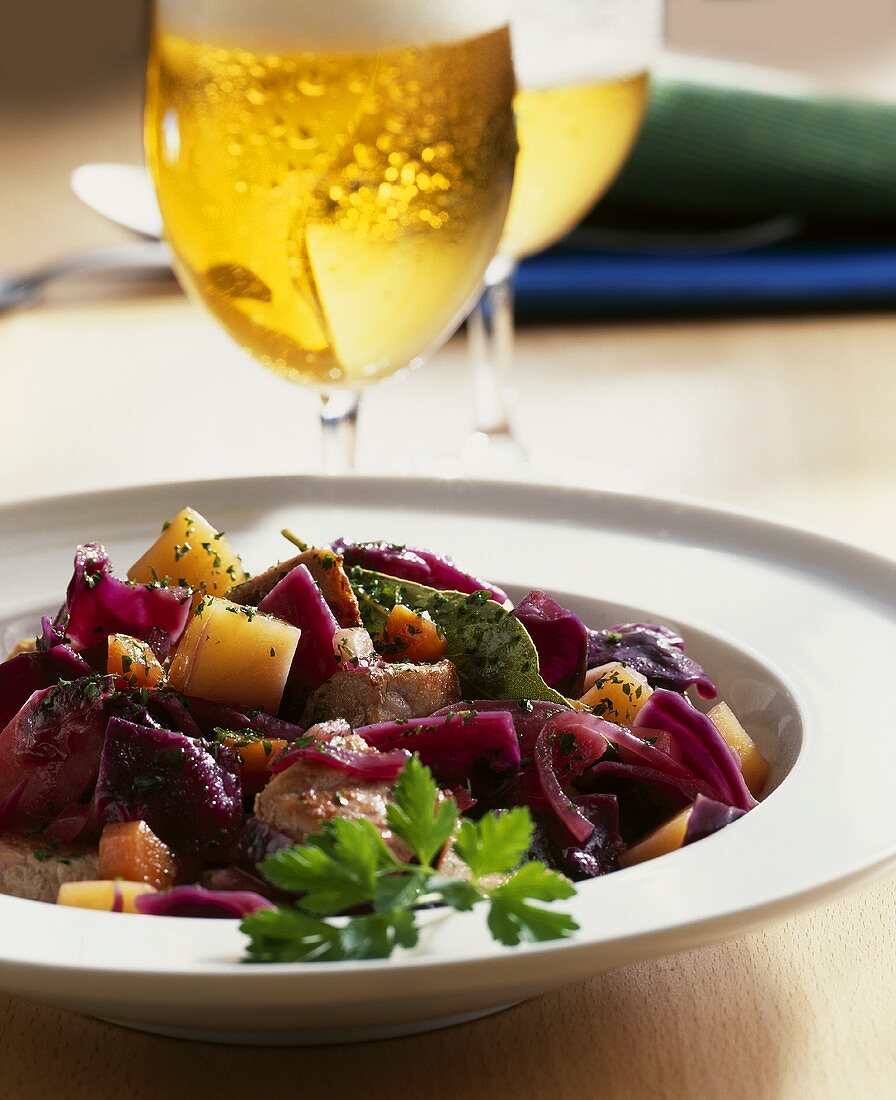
348	866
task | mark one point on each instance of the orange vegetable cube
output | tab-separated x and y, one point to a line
112	897
753	765
130	850
190	551
232	654
133	662
409	636
255	754
669	837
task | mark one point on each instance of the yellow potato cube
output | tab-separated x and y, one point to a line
669	837
112	896
232	654
190	551
753	765
618	694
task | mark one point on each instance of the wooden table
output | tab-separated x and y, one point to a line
793	417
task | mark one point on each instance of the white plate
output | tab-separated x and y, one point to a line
794	627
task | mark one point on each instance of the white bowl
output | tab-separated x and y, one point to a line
794	627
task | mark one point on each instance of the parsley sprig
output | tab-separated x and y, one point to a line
348	866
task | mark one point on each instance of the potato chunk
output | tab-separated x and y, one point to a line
232	654
669	837
753	765
191	552
111	896
618	694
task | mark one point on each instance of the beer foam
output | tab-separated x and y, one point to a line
566	42
329	26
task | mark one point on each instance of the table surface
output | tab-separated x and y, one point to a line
794	417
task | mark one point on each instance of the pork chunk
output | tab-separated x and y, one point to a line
30	869
383	693
299	800
327	570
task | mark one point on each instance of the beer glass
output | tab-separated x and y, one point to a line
333	177
581	69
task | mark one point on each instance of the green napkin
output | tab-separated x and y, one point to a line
710	153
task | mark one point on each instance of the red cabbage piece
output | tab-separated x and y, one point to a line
98	604
74	823
256	842
410	563
700	746
708	817
382	767
201	717
195	901
452	745
188	793
529	716
655	651
26	673
297	600
567	744
684	790
646	797
560	638
9	804
54	745
600	852
234	879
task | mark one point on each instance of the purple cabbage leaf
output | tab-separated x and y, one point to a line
187	792
561	639
655	651
410	563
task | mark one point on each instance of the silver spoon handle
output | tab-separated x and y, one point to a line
133	257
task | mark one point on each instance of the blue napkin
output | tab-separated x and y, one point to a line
710	159
566	285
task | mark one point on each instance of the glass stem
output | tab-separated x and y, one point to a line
339	423
490	337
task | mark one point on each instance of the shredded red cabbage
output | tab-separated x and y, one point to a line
561	639
297	600
75	823
384	767
26	673
600	852
708	817
187	792
256	842
54	743
567	745
655	651
701	747
10	804
410	563
452	744
98	604
195	901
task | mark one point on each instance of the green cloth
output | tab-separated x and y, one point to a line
709	153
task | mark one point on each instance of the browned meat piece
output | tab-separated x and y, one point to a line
29	869
329	575
383	693
299	800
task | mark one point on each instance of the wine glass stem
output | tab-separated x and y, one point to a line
339	423
490	336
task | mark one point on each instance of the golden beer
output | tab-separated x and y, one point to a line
335	210
573	141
